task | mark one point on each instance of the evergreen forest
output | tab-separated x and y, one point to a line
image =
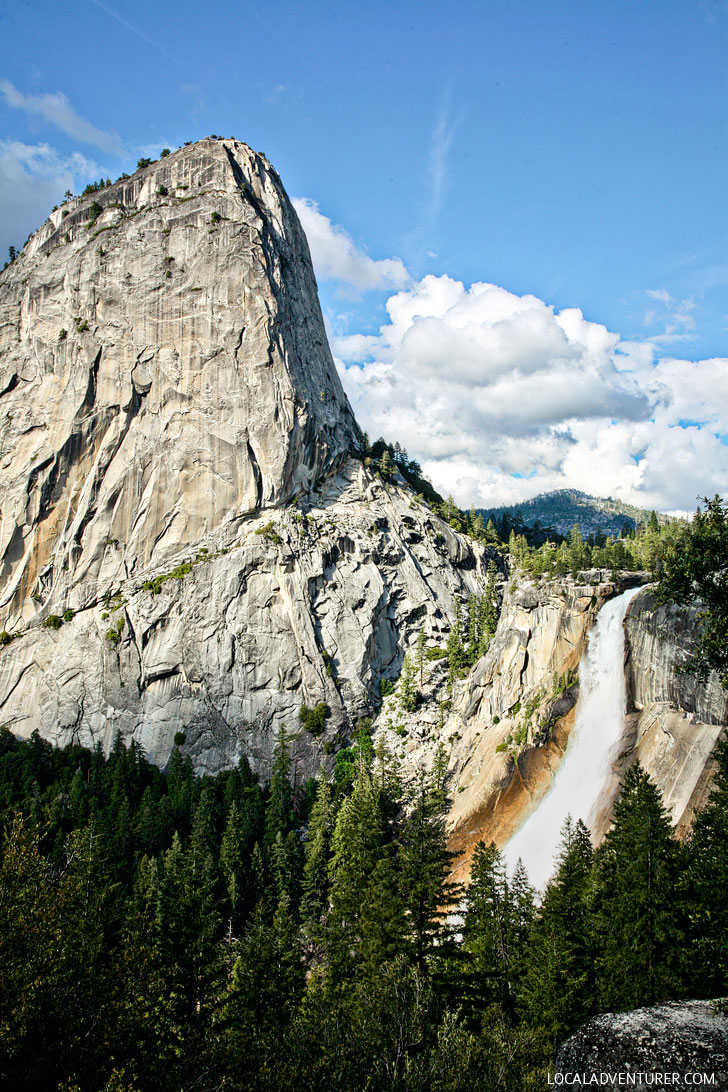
165	931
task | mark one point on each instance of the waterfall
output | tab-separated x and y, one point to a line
585	769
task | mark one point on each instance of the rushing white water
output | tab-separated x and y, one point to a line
598	724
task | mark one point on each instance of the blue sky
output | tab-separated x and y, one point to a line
571	154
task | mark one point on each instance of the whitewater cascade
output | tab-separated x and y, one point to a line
598	724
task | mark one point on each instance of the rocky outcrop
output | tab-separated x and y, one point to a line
186	543
676	718
686	1040
313	603
164	370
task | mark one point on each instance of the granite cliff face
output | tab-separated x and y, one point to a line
163	369
677	719
186	542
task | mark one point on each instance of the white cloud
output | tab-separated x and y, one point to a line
336	256
500	397
675	316
440	145
33	178
56	109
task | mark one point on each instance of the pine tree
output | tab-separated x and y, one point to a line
179	789
708	879
557	986
286	865
425	864
576	550
232	862
637	916
146	830
386	466
268	974
382	925
357	846
189	926
488	621
204	823
279	808
486	930
266	985
256	878
318	850
523	902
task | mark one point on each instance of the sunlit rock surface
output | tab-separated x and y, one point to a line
166	392
164	370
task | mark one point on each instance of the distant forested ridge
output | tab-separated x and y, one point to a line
562	508
164	931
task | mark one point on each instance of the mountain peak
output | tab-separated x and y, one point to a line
164	369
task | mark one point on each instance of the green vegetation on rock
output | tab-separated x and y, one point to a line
695	564
314	720
178	573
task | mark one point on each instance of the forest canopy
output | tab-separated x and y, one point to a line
161	930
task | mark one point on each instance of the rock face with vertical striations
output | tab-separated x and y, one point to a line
677	718
164	369
166	395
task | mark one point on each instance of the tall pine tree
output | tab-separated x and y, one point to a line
637	915
708	879
557	986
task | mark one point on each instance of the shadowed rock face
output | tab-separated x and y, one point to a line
677	718
166	390
163	368
679	1038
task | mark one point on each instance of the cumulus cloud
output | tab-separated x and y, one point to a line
33	178
501	397
56	109
336	256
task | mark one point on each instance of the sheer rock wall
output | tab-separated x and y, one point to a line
163	370
676	718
